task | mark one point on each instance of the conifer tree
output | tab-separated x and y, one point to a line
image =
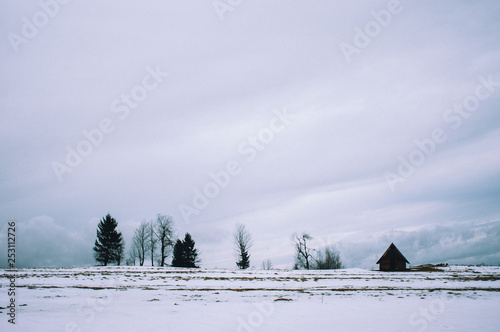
242	243
190	251
185	253
244	262
179	259
109	244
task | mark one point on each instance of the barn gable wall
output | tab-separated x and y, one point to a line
392	260
385	264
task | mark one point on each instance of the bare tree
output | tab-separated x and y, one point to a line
140	241
132	255
303	253
328	259
165	233
120	252
242	244
152	241
267	265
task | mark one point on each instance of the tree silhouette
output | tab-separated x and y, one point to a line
179	259
165	233
303	252
108	246
328	259
267	265
190	251
242	243
140	242
152	241
185	253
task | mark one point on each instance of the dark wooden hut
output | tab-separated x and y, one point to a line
392	260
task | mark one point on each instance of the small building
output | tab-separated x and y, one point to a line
392	260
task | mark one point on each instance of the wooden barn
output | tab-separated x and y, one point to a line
392	260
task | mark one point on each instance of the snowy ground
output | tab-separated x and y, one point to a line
456	298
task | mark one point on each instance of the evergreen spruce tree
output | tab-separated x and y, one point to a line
179	259
244	262
185	254
109	244
242	243
190	251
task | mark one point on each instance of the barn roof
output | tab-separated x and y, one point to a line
392	251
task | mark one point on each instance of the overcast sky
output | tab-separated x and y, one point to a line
360	123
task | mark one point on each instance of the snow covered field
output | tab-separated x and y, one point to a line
455	298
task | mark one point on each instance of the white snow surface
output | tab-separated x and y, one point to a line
454	298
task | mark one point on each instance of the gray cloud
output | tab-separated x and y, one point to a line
42	242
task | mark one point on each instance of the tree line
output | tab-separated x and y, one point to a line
156	240
148	238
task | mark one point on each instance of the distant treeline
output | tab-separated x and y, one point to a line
156	240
